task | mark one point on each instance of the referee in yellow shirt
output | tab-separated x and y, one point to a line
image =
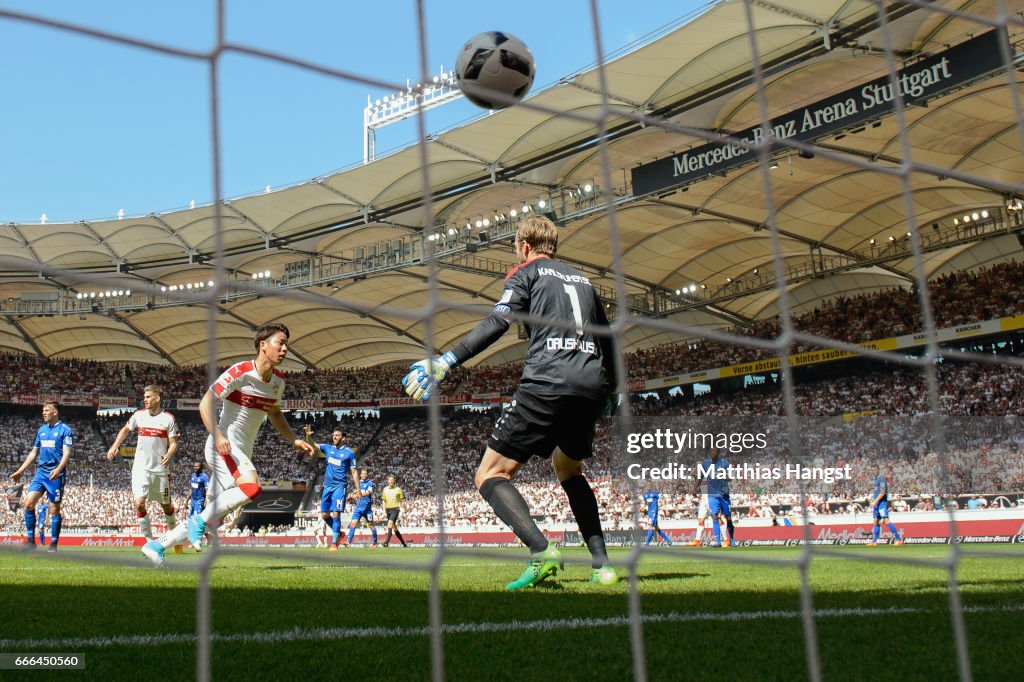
393	497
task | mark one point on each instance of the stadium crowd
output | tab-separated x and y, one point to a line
986	457
957	298
975	390
98	494
988	461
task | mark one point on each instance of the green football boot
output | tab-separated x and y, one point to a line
606	575
540	567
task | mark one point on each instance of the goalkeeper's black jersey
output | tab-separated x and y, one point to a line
563	359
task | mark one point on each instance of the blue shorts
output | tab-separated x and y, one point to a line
54	489
881	510
718	504
195	507
652	519
365	514
333	499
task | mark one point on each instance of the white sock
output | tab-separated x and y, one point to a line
172	521
175	536
224	503
144	526
227	501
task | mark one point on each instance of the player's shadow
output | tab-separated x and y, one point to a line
656	577
644	578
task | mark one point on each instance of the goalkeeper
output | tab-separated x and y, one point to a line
567	378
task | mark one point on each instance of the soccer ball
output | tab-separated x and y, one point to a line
494	62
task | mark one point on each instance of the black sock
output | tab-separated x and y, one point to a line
584	508
511	508
388	538
731	528
398	534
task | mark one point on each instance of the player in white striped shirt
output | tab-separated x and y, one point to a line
249	392
156	447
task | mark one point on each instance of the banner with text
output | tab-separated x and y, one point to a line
927	78
946	335
933	532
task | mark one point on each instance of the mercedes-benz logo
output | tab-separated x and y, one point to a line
276	504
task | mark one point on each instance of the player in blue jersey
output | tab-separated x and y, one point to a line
341	462
199	484
729	527
714	471
53	448
364	507
652	499
880	509
42	511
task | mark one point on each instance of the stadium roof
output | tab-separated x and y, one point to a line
355	237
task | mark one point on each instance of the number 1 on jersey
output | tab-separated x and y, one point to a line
577	312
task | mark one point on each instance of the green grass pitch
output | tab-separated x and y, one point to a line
310	614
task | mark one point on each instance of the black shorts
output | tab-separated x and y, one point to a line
393	513
533	425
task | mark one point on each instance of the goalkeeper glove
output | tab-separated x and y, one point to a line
425	375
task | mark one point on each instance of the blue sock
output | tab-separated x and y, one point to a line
664	537
336	529
30	524
55	521
717	527
373	531
42	538
351	533
895	533
874	533
650	536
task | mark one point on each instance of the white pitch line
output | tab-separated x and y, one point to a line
324	634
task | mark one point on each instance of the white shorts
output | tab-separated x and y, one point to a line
226	469
155	487
702	508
